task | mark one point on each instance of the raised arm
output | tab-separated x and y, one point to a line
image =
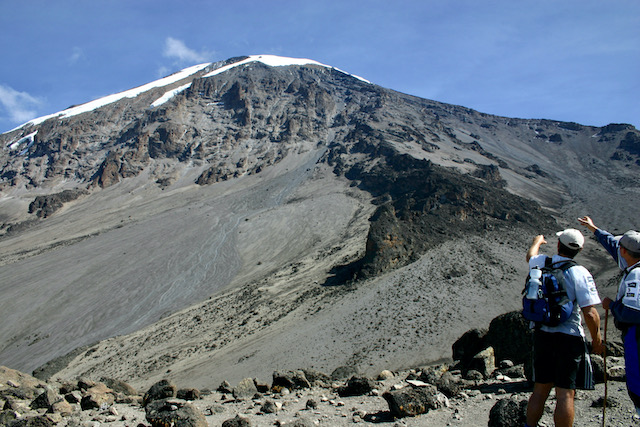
534	249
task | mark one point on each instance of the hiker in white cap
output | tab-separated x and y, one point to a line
560	355
625	250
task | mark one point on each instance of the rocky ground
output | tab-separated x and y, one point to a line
322	404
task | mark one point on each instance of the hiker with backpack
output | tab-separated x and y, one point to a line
625	250
560	355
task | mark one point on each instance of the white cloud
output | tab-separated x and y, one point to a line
175	48
76	55
19	106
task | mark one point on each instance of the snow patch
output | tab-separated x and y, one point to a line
29	140
131	93
168	95
276	61
270	60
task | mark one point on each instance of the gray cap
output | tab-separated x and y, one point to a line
571	238
631	241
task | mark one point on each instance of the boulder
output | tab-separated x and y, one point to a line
188	394
174	412
238	421
163	389
270	406
225	387
8	416
46	399
291	380
510	336
410	401
61	407
343	372
448	385
17	379
356	386
37	421
484	362
508	413
317	378
468	345
97	397
385	375
119	386
245	389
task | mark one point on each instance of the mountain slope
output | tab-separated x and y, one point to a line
286	212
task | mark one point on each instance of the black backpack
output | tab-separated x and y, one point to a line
553	306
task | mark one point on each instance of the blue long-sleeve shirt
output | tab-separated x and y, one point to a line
626	308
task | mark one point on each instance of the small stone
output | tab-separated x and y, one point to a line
385	375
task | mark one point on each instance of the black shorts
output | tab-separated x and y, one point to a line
561	359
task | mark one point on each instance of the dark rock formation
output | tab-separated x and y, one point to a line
163	389
291	380
356	386
508	413
410	401
174	412
44	206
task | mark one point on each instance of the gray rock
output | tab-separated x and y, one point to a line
163	389
174	412
508	413
245	389
484	362
225	387
238	421
385	375
7	416
343	372
473	375
46	399
269	407
291	380
409	401
468	345
448	385
317	378
119	386
356	386
38	421
188	394
510	336
97	397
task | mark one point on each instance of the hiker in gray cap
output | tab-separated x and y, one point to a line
625	250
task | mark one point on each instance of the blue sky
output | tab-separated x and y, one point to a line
563	60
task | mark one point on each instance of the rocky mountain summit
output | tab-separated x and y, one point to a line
259	213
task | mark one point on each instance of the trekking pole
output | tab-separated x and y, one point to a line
604	356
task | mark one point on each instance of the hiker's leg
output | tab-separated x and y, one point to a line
564	413
632	363
535	408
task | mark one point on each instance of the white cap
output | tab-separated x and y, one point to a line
571	238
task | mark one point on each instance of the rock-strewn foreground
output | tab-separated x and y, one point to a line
474	391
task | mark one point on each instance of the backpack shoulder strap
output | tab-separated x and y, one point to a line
628	269
563	265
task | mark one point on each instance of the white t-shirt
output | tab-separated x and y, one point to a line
581	289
